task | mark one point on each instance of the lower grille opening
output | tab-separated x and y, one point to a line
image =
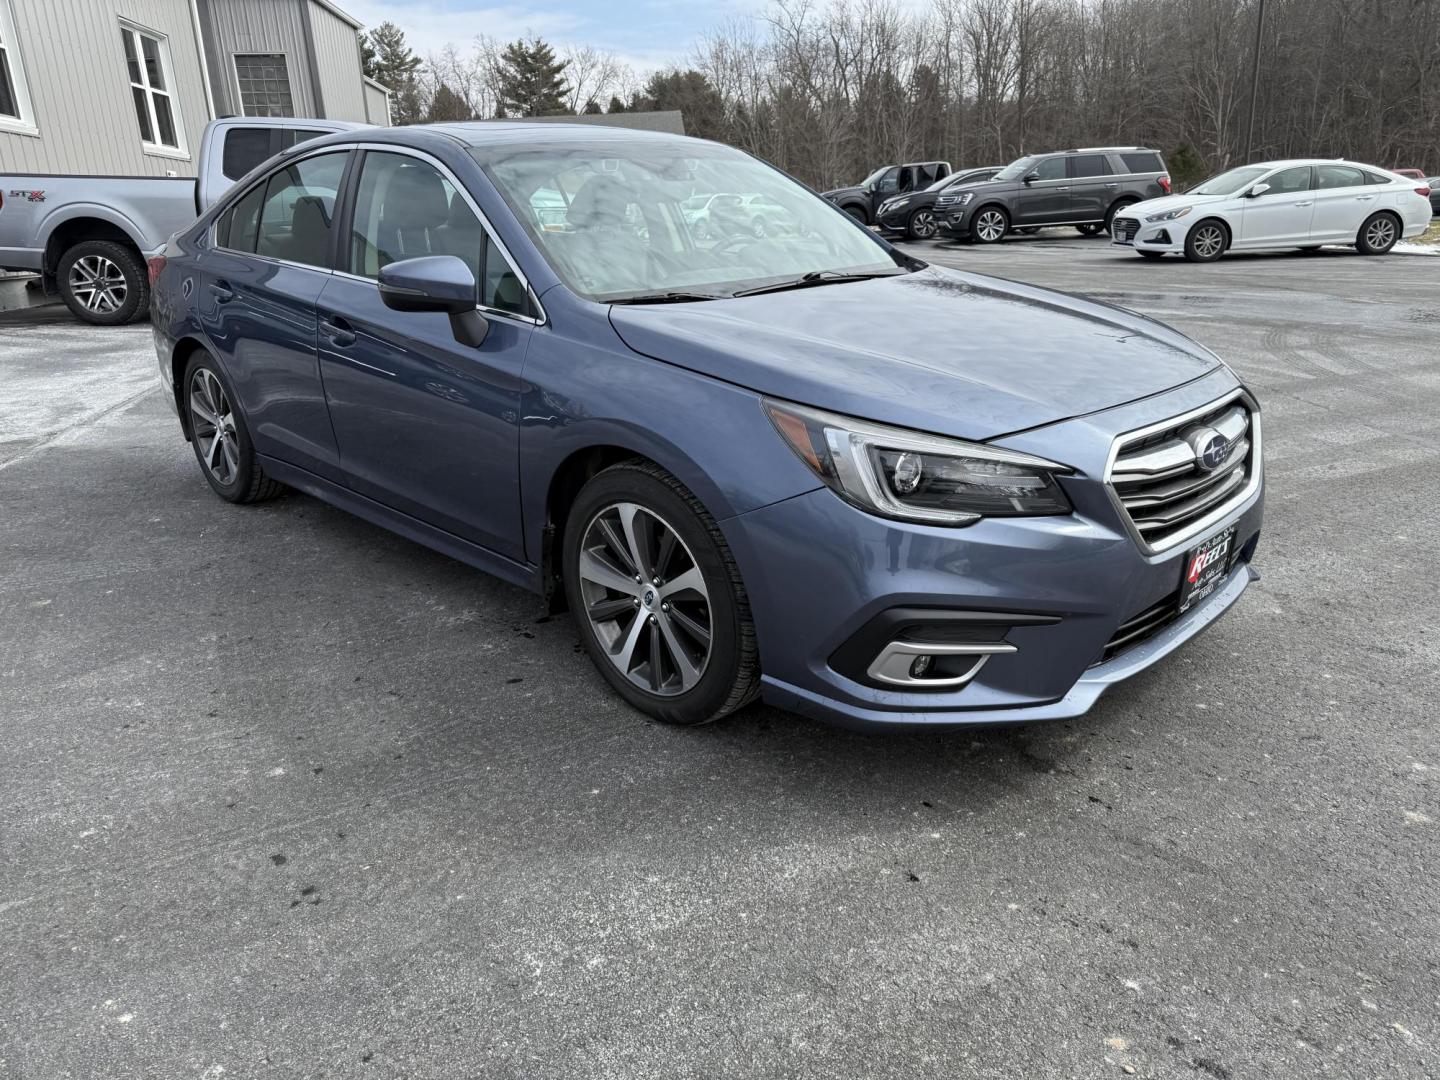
1142	627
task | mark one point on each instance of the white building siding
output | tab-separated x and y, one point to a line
80	89
377	103
258	26
337	65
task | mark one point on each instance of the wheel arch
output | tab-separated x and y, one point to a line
1225	227
180	355
91	223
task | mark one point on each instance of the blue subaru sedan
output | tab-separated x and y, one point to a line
789	463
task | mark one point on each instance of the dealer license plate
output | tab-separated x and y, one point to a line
1204	568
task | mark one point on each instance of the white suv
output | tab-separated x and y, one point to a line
1278	204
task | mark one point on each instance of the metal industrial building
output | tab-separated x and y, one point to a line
125	87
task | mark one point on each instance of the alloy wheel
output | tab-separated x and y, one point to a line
1380	233
923	224
1209	241
645	599
990	226
212	424
98	284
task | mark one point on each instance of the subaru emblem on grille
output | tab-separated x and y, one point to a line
1210	448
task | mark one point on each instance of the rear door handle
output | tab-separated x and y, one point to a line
1307	203
1112	184
222	292
1363	198
338	331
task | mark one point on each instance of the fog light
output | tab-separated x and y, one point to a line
921	665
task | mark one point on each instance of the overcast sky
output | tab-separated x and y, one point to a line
645	33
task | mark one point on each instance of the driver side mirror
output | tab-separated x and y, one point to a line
436	283
1258	190
1031	177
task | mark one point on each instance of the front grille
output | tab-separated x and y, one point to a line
1140	627
1124	229
1169	490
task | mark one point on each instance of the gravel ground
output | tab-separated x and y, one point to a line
284	795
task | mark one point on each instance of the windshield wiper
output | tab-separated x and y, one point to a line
818	277
673	297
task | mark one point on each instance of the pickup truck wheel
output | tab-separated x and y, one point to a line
220	437
103	282
858	214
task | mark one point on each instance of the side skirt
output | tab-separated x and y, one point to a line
522	574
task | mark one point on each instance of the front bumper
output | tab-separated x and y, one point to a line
818	571
1161	236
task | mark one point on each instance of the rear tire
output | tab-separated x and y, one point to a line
1206	241
1109	225
103	283
1091	228
1378	235
989	225
717	670
220	437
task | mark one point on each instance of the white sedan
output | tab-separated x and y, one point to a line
1279	204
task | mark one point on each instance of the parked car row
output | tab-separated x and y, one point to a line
1125	191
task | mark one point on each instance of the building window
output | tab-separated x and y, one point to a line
264	82
147	56
14	99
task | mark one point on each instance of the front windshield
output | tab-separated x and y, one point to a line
1228	183
1017	168
630	227
874	178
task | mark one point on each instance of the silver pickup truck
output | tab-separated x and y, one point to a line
89	236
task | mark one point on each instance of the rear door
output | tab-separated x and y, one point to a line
426	425
270	259
1344	198
1046	198
1092	187
1283	214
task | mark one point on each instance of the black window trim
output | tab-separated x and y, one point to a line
1071	159
345	207
1284	169
232	200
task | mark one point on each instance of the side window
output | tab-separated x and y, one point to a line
1289	181
1050	169
240	225
889	182
1087	165
1338	176
406	208
298	210
1142	163
245	147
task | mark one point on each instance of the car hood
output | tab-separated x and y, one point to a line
936	350
843	191
1172	202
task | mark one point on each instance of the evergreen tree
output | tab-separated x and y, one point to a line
447	105
592	108
694	95
616	105
531	82
389	61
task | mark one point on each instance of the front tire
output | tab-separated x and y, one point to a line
1378	235
989	225
658	598
1206	242
922	225
220	437
103	283
858	214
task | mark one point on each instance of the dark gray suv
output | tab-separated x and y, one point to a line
1083	188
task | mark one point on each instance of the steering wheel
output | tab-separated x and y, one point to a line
735	242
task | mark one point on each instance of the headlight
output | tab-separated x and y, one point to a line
1169	215
912	476
955	200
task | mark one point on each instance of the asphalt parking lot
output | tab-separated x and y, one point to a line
285	795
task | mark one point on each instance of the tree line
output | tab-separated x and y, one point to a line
830	89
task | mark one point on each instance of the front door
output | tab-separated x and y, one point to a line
260	284
1046	198
426	425
1281	215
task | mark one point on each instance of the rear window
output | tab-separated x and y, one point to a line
1148	161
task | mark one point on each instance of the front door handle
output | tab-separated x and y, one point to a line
1306	203
1065	188
338	331
222	291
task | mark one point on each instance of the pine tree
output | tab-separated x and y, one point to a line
531	82
391	63
616	105
447	106
592	108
